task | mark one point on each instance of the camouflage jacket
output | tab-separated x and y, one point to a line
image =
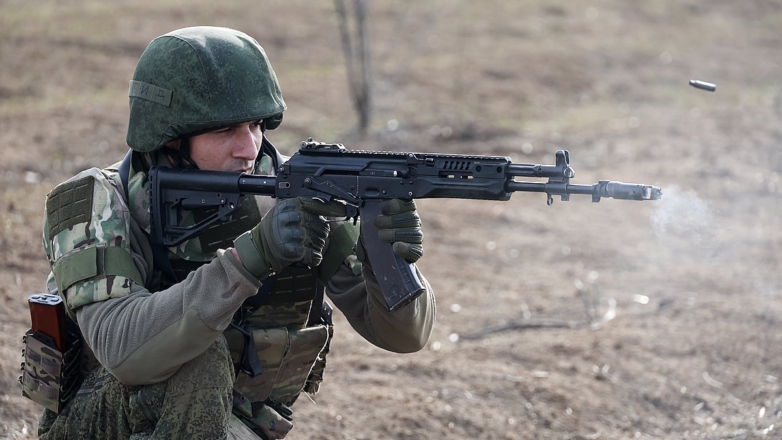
101	263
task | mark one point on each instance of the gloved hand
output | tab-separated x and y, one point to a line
400	224
293	231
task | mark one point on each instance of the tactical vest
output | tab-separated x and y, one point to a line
283	323
279	337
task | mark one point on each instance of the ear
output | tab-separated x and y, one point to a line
175	144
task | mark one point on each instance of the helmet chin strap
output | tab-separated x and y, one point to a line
264	141
181	156
269	150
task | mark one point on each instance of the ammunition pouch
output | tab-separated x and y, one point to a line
51	371
286	356
280	336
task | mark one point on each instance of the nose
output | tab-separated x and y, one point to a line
246	143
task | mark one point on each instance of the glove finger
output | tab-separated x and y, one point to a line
289	235
413	236
292	250
409	219
319	227
314	241
286	218
410	252
395	206
315	223
312	257
315	206
285	205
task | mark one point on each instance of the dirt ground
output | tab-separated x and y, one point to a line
681	335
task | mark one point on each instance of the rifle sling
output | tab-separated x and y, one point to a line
159	253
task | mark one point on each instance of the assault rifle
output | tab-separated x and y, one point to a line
363	180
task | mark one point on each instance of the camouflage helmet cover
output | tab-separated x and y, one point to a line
197	79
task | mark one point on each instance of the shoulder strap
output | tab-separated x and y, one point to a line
124	172
159	253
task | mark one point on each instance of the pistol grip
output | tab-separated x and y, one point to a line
397	277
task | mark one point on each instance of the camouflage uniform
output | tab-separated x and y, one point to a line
167	356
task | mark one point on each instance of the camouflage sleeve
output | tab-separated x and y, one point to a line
85	236
100	262
358	296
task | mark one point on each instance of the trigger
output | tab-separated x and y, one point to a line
352	213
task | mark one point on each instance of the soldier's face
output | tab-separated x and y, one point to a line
229	149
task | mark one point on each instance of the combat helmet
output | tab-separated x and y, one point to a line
198	79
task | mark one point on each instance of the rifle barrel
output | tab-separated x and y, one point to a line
603	189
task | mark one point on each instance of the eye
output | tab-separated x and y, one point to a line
257	123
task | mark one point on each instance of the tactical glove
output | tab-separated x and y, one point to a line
400	224
293	231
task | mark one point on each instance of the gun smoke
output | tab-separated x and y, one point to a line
685	224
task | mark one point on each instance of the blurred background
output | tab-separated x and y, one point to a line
574	321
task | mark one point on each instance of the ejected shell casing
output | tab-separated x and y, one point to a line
709	87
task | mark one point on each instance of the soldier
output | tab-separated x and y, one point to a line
218	336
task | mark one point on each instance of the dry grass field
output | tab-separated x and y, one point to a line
687	291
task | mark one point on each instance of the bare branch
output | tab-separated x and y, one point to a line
357	59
